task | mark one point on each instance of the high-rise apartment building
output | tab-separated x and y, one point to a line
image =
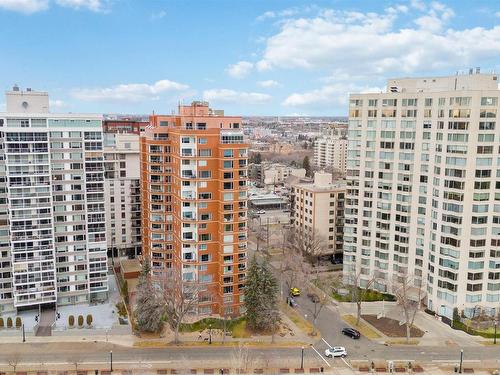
122	193
330	150
423	189
52	219
318	211
194	203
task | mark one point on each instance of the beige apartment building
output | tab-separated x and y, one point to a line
330	150
122	194
423	194
318	210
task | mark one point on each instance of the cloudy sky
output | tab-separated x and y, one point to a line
249	57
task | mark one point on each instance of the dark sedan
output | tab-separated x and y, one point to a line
351	332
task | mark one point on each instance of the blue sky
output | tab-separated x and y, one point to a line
249	57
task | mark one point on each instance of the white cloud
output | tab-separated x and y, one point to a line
92	5
231	96
497	14
268	83
158	16
417	4
371	43
25	6
240	70
57	104
333	95
132	92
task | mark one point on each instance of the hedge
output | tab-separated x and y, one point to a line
80	320
458	325
89	319
71	320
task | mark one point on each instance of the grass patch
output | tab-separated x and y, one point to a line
213	323
487	334
364	328
402	342
369	296
304	325
150	344
237	327
240	331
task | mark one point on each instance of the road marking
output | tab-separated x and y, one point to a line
326	342
348	365
313	348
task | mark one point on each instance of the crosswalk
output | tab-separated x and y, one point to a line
320	349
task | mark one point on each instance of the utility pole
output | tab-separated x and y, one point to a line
267	234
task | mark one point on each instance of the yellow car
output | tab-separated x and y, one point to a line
295	292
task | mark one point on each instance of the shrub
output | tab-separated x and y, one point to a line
89	319
9	322
80	320
18	322
71	320
1	323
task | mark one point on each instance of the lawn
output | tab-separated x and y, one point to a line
369	296
236	326
365	329
391	327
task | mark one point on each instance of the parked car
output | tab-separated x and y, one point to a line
313	297
292	302
336	351
295	292
351	332
261	212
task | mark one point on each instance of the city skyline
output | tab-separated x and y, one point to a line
255	58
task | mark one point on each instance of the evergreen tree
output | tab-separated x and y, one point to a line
261	298
252	294
307	166
149	309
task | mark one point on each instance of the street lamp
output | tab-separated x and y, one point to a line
111	360
302	360
210	334
461	360
495	338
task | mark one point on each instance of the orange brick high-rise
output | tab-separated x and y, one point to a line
194	200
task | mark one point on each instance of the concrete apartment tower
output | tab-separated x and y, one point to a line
423	189
122	194
52	220
194	203
318	212
330	150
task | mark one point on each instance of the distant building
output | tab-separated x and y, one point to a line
318	210
123	194
267	173
330	150
124	126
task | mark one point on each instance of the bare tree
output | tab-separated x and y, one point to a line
311	245
180	298
14	360
293	270
241	359
358	285
319	301
409	293
75	359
